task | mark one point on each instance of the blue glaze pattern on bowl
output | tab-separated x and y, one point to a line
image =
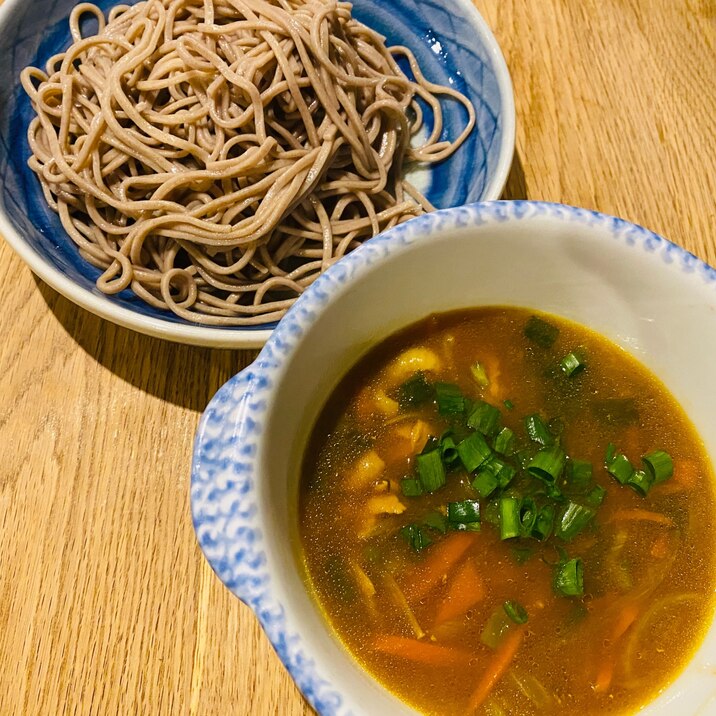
224	470
450	40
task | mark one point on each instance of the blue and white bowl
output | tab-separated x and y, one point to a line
451	41
646	294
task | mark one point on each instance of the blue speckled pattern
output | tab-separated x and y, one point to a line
444	36
223	497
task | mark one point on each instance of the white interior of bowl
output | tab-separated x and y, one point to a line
663	314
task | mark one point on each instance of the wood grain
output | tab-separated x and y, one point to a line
106	604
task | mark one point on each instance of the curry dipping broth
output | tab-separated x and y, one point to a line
489	560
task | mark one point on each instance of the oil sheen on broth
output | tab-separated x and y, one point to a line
528	561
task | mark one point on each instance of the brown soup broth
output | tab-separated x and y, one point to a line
648	563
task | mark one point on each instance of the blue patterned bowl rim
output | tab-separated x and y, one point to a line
472	41
234	420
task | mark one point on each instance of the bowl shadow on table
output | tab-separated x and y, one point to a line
187	376
516	186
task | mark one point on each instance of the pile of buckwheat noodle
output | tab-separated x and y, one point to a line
215	156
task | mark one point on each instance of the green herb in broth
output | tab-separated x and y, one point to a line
492	466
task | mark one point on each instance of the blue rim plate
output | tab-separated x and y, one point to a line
452	43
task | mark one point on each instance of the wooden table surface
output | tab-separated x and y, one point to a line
106	604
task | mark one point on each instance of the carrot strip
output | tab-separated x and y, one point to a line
640	515
604	676
465	591
424	652
496	670
626	617
441	559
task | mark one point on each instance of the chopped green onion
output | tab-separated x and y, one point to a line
537	430
450	400
610	454
485	483
504	441
572	364
473	451
415	391
411	487
540	332
415	537
528	516
430	470
436	521
509	517
569	578
579	475
465	511
523	457
573	519
515	611
503	471
595	496
448	450
508	404
547	464
620	468
432	443
641	482
659	464
497	626
544	523
467	526
485	418
480	374
553	492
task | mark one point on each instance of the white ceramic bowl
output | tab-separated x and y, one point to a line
646	294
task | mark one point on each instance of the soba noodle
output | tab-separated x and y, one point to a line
214	156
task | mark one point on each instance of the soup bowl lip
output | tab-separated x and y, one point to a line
224	468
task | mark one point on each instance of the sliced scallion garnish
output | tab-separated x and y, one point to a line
541	332
573	519
573	363
473	451
463	512
417	538
659	464
537	430
547	464
448	450
515	611
640	481
544	523
485	483
509	517
479	374
450	399
569	578
504	441
485	418
415	391
620	468
431	471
